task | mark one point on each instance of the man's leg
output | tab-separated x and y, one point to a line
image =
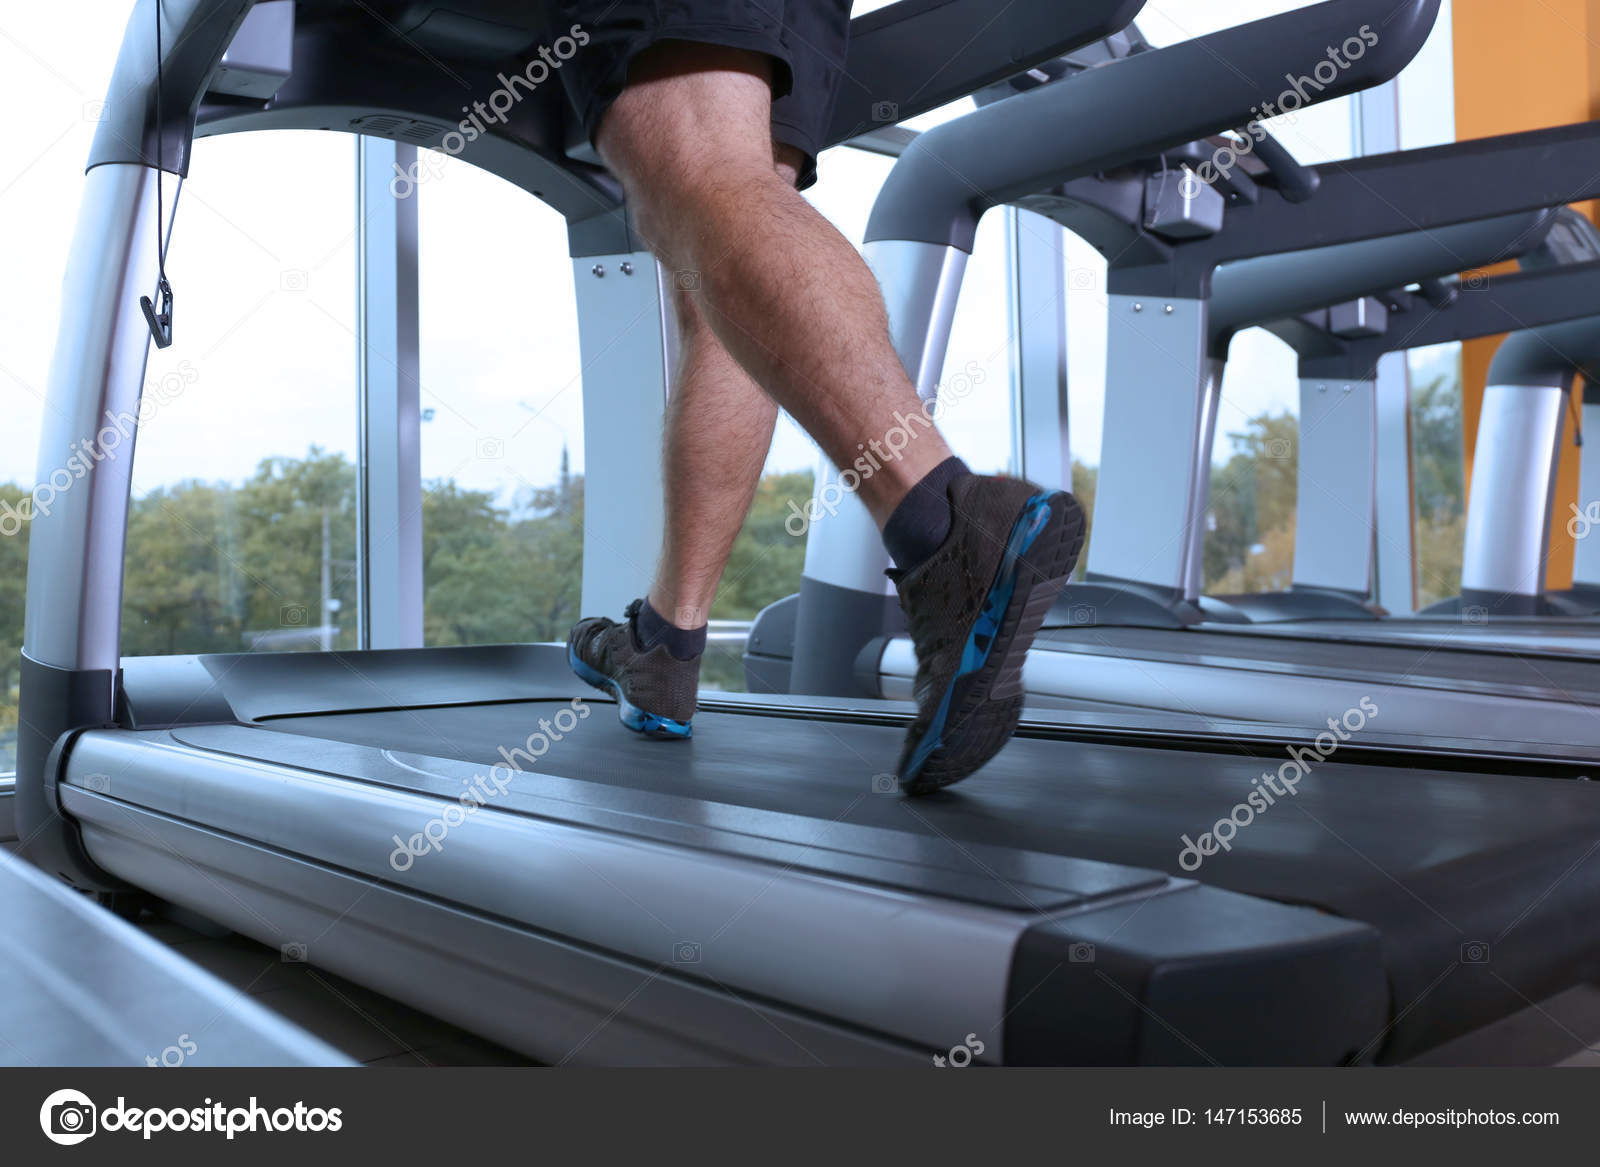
787	295
719	430
981	559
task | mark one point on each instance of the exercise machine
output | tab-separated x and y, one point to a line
466	829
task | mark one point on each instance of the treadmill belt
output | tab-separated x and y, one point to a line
1484	885
1541	637
1572	680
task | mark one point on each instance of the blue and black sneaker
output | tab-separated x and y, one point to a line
655	691
973	609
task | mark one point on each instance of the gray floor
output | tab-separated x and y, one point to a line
1562	1031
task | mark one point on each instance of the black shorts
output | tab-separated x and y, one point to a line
805	38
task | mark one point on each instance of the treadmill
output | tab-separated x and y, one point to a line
751	896
1526	410
1186	275
1549	310
1480	663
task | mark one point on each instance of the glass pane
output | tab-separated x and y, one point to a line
1087	321
502	432
1250	525
242	534
1428	89
1438	470
13	581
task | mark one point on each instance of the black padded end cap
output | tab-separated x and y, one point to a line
55	703
1169	980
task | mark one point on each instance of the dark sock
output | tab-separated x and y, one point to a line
922	520
652	628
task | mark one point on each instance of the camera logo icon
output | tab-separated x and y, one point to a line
1083	615
1475	952
293	953
491	448
1082	279
885	784
294	616
686	952
960	1056
885	111
293	280
1278	449
1474	615
686	281
1081	953
67	1117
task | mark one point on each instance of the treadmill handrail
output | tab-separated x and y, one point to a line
1115	115
1486	307
1411	190
1550	355
1272	287
917	55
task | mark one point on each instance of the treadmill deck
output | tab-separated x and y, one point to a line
1447	865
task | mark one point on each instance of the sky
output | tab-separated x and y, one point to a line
263	258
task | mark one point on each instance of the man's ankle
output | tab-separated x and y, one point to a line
920	524
650	628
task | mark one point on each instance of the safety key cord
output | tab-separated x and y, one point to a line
159	317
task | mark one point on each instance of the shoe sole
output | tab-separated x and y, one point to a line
1043	548
651	725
